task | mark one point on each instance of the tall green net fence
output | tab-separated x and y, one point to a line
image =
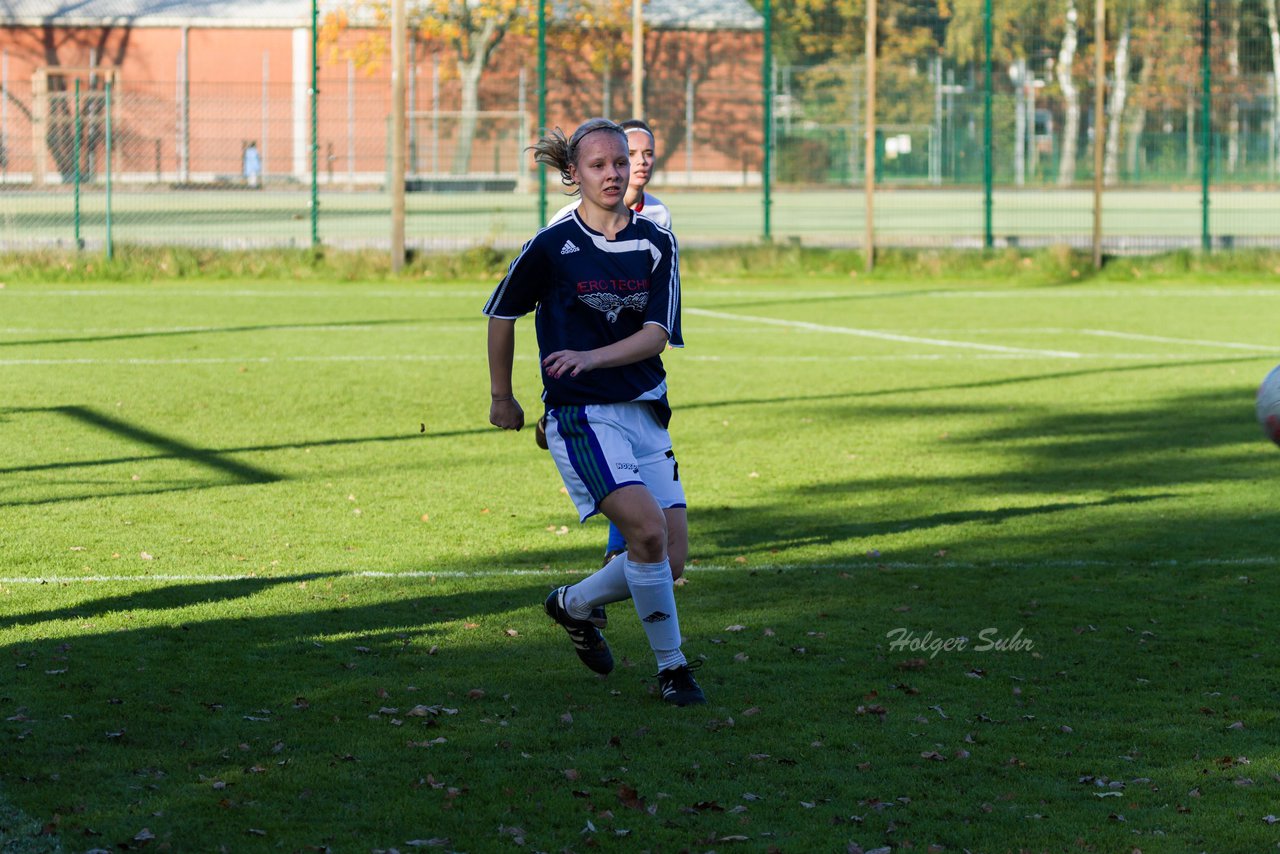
985	128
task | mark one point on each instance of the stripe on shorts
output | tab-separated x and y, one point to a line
585	455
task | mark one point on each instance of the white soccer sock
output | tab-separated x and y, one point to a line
655	598
606	585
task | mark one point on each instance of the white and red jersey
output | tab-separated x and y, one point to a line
650	207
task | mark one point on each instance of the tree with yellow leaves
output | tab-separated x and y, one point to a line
473	31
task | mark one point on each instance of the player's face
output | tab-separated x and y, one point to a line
602	170
640	152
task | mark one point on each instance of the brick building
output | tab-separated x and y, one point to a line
195	81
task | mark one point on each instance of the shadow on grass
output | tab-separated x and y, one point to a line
165	447
1058	473
294	728
981	384
732	530
164	598
311	667
223	330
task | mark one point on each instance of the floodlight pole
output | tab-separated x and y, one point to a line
398	68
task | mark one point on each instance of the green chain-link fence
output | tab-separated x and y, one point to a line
1188	140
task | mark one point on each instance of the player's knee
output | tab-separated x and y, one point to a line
648	544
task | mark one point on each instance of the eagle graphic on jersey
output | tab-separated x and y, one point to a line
612	304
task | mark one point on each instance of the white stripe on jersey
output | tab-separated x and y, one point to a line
619	246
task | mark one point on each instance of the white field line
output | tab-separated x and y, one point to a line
147	294
1090	293
450	292
883	336
853	565
753	359
250	360
1133	336
182	330
940	357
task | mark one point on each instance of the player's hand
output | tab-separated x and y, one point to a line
572	362
506	414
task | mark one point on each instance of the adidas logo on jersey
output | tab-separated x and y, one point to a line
568	248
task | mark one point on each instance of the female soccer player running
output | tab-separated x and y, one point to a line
605	284
641	145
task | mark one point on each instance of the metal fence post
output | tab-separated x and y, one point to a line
766	164
76	151
315	125
1206	129
396	187
988	239
869	158
542	107
110	244
1099	108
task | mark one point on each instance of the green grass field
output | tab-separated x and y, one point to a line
270	582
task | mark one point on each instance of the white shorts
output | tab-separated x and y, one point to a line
600	447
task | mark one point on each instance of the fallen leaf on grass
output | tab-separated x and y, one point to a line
630	798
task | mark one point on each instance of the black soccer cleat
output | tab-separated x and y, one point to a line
679	687
590	645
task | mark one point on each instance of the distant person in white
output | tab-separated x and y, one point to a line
640	148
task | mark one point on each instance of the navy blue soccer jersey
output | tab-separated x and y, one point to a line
590	292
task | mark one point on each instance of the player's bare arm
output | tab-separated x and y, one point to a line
651	340
504	409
